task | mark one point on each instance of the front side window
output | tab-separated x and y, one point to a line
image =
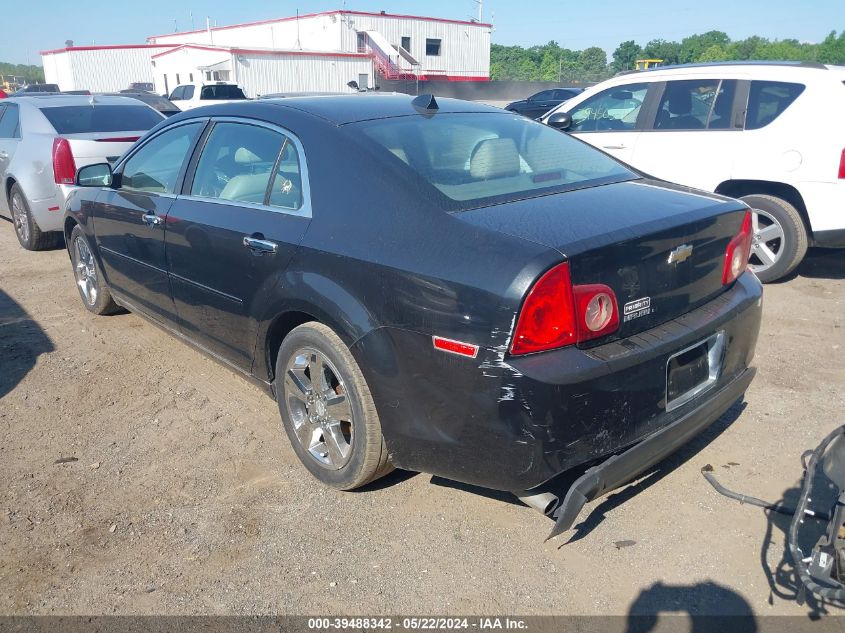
237	163
696	104
767	100
155	167
9	122
546	95
478	159
177	93
614	109
432	47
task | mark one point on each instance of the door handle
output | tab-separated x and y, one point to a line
614	146
151	219
260	246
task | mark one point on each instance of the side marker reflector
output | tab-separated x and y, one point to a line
455	347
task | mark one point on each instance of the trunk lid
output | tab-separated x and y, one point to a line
98	147
622	235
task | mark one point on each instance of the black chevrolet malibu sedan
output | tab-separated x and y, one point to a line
442	287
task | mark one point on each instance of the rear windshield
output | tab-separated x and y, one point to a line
223	91
101	118
480	159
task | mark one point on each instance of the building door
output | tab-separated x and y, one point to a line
363	81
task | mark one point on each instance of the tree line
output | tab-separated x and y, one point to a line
552	62
30	73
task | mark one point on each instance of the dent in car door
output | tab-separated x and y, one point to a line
130	219
230	239
694	135
610	119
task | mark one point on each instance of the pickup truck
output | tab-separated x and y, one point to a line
189	96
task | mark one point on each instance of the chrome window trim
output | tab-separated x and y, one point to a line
304	211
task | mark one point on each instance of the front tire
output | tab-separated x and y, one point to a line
27	231
92	287
779	237
327	409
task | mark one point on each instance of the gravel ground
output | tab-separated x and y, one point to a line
139	477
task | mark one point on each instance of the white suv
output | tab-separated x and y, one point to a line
769	133
189	96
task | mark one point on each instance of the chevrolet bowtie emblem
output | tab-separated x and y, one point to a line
679	254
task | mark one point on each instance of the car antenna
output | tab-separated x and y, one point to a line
425	105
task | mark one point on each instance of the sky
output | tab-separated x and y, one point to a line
45	24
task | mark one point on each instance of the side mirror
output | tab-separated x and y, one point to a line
97	175
560	121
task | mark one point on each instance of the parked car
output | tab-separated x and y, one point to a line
161	104
140	86
747	130
43	139
188	96
538	104
3	94
479	297
35	89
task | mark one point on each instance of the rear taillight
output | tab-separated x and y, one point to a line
556	313
64	167
842	165
738	252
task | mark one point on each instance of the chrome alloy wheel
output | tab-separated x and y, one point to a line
319	408
19	217
85	271
767	241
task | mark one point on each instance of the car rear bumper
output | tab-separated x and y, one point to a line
621	468
49	213
514	423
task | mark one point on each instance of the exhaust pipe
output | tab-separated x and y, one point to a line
544	502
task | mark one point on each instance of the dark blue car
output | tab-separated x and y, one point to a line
442	287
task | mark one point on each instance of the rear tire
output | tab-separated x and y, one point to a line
779	239
92	287
27	231
330	419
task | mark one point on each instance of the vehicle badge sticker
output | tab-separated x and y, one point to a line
636	309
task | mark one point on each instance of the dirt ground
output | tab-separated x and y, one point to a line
179	493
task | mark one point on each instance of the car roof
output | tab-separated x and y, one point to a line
343	109
57	100
767	69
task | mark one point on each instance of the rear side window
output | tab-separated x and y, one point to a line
613	109
696	104
155	167
480	159
188	92
767	100
237	163
221	91
101	118
9	122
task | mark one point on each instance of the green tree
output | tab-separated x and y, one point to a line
669	52
593	60
832	49
625	55
693	47
714	53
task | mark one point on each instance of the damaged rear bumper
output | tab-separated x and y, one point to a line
623	467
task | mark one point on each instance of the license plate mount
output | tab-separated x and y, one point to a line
693	370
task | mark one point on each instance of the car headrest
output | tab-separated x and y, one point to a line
494	158
243	156
680	102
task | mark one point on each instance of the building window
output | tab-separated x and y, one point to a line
178	82
191	77
208	75
432	47
406	43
